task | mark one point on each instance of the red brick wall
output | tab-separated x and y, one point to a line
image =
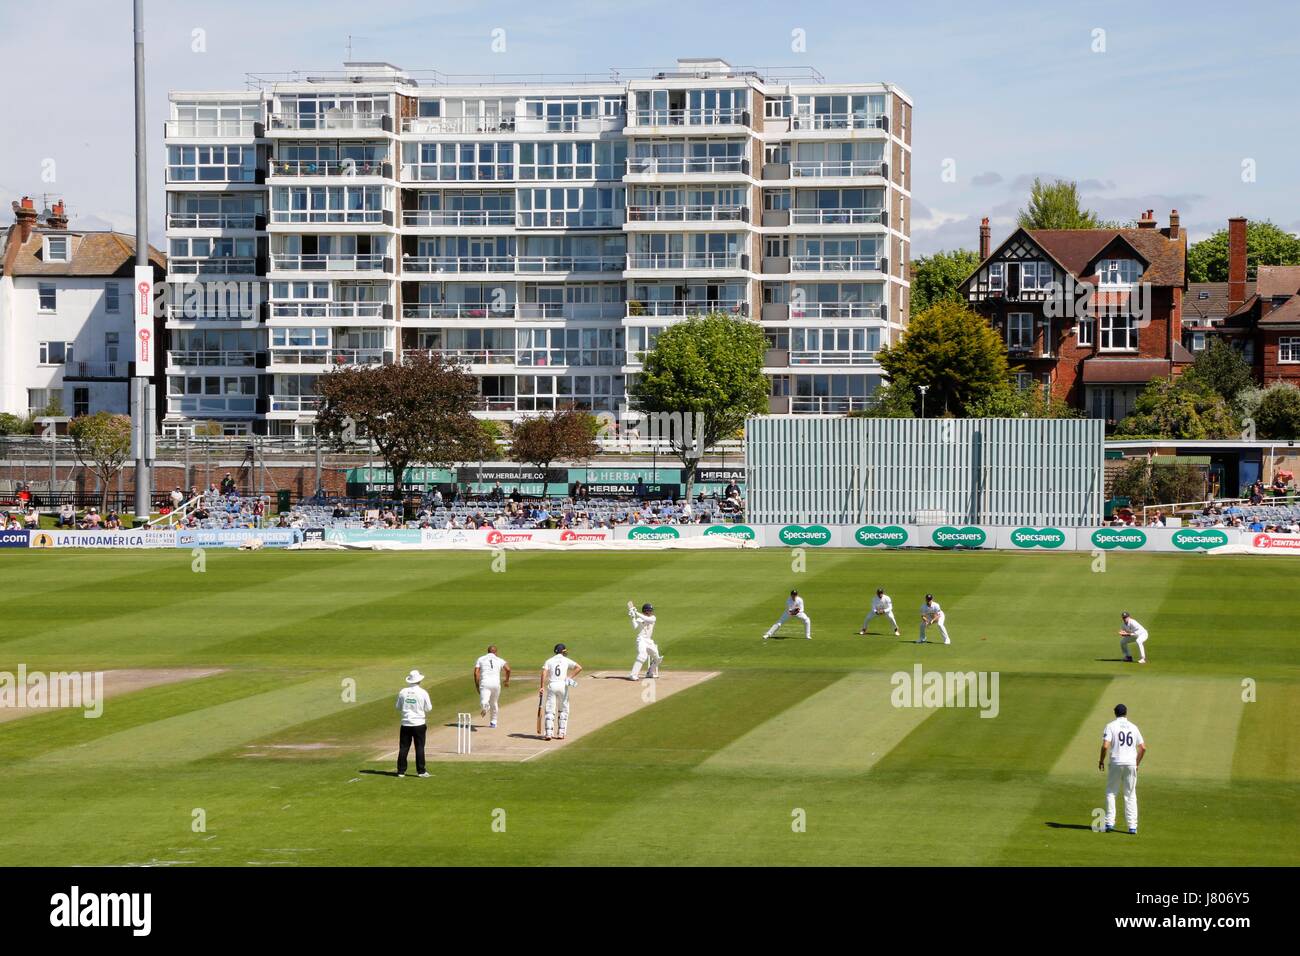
1266	358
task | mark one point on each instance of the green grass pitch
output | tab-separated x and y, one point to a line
716	774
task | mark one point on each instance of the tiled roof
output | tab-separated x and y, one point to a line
1125	371
1076	248
1214	305
1278	280
94	255
1288	313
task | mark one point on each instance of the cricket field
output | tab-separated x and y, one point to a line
251	705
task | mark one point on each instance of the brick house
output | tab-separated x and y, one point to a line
1098	356
1263	322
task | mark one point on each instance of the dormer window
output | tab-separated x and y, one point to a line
56	249
1118	272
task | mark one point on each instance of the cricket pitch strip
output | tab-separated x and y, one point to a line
599	699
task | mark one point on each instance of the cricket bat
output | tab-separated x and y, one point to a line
541	697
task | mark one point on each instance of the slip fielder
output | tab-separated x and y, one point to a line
1132	633
489	672
556	680
1123	741
793	608
643	622
881	606
932	616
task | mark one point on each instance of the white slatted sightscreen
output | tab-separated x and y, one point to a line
992	471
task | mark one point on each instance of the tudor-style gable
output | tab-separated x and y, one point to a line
1019	270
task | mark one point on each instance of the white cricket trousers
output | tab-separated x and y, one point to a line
807	624
1128	639
557	698
939	624
489	698
873	614
1122	778
646	651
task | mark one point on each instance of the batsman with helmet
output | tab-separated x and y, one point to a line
643	622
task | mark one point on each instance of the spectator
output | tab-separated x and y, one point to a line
114	521
437	499
227	485
640	491
33	519
177	498
497	493
515	496
67	516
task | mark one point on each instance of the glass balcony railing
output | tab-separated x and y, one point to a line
212	265
822	121
836	217
204	128
327	310
239	358
458	217
327	167
327	356
835	263
328	262
295	403
832	358
683	307
716	116
713	213
673	165
211	220
355	217
330	120
836	310
440	265
828	404
551	264
455	310
842	168
685	260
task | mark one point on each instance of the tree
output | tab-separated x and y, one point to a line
703	379
564	435
1032	401
1144	482
935	278
1276	411
1266	245
951	350
1185	407
417	411
1223	369
1055	205
102	443
13	425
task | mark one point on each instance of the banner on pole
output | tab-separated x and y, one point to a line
143	340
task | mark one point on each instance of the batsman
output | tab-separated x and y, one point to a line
643	622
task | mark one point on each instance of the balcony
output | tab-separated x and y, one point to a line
294	403
561	264
329	310
332	120
846	168
435	125
332	217
214	220
211	404
570	219
729	116
240	358
829	404
833	121
454	265
570	311
815	358
837	310
477	356
837	217
212	129
688	260
837	264
686	165
329	262
686	213
90	371
682	307
212	312
455	310
432	173
212	266
420	218
332	357
330	167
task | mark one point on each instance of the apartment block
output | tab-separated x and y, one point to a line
541	231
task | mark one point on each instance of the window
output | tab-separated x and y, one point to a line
55	353
205	164
1118	272
1083	331
1035	276
570	208
1288	349
112	297
56	248
997	276
833	346
1118	333
80	402
1020	331
38	400
48	301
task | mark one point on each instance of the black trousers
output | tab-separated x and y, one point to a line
411	735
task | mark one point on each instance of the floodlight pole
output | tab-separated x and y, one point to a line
141	404
923	389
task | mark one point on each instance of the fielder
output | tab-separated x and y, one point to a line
1132	633
932	616
881	606
793	608
489	672
556	680
1124	742
647	650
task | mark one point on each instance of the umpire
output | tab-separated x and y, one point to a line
414	703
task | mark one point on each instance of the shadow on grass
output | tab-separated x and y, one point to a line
1067	826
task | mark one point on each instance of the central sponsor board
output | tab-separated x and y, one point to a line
1037	537
1198	539
741	532
585	534
890	536
1275	542
799	536
1130	539
965	537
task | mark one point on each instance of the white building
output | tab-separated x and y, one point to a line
65	315
541	233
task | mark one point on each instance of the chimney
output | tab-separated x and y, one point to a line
1174	230
58	217
986	241
1147	220
1236	262
24	218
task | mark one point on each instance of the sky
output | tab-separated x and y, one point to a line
1147	105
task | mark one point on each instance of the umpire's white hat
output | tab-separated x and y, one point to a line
414	677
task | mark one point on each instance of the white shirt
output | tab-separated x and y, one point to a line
1131	626
794	606
1123	737
557	671
489	670
883	604
413	701
931	608
643	624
